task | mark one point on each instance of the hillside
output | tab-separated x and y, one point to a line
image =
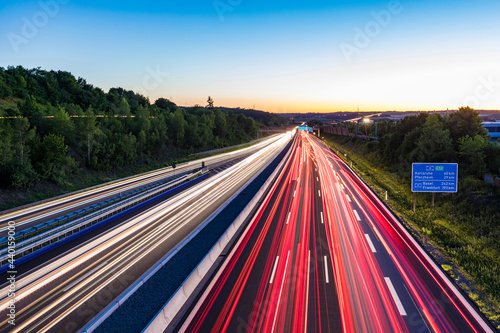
55	129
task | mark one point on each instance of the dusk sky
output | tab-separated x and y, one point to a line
281	56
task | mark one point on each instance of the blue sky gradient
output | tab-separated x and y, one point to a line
279	55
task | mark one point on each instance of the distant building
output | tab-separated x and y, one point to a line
494	130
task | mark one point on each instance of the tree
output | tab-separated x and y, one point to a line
50	158
165	105
89	133
464	122
22	134
124	108
177	126
210	102
220	124
6	151
472	153
62	124
435	144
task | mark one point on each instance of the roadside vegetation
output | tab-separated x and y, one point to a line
462	231
59	133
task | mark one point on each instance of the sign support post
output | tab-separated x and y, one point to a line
414	201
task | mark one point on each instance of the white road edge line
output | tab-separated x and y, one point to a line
368	239
327	278
84	277
288	218
395	296
274	269
357	216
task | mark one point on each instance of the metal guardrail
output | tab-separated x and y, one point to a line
39	241
84	211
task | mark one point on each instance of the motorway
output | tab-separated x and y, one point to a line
42	212
324	254
63	294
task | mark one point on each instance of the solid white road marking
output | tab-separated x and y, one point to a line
274	269
288	218
368	239
357	216
395	296
326	271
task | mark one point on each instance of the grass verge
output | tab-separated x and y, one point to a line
461	232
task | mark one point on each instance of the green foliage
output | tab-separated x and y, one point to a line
435	144
65	124
472	153
464	227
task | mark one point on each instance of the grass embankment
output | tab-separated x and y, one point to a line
11	198
462	232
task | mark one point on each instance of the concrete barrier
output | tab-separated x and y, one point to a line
122	298
165	316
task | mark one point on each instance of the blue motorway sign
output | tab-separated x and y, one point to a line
304	128
434	177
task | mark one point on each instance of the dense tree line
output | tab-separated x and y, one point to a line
54	125
455	138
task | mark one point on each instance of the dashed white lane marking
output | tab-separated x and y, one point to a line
368	239
342	186
317	179
395	296
281	290
348	199
319	193
274	269
288	218
357	216
294	193
327	279
322	222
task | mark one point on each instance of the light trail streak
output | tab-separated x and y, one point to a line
127	244
75	200
368	300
